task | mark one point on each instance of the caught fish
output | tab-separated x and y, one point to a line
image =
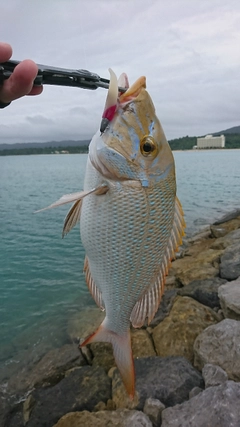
131	221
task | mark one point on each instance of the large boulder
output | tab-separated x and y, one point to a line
168	379
197	265
228	240
49	370
229	295
226	224
214	407
142	345
176	334
82	389
204	291
119	418
230	262
220	345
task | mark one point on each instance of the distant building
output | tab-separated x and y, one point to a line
210	141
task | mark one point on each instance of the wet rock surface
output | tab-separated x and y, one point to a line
214	407
49	370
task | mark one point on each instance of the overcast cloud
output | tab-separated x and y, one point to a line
189	51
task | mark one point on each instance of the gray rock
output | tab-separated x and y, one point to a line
229	296
220	345
230	262
213	375
168	379
165	306
194	392
119	418
228	240
81	390
204	291
228	217
214	407
49	370
153	409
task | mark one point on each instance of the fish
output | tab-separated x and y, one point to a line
131	220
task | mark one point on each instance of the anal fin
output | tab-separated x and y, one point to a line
95	292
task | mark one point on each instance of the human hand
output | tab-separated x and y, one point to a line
20	83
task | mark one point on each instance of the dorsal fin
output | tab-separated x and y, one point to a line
95	292
148	304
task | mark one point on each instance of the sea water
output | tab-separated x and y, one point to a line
41	281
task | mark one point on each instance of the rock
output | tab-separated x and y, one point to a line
164	307
229	295
171	282
102	355
176	334
168	379
142	345
194	392
213	375
235	214
230	262
226	224
228	240
85	323
50	370
27	408
204	291
81	390
214	407
198	265
153	409
220	345
119	418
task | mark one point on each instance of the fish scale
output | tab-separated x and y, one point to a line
118	257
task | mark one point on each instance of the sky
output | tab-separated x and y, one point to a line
188	50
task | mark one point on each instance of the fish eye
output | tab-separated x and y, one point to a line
148	146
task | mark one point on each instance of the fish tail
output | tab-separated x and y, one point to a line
122	353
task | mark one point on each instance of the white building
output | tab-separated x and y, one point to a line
210	141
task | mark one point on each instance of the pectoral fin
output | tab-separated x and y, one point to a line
72	218
74	197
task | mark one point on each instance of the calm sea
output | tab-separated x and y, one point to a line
41	280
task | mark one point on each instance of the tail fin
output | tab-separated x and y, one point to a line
122	352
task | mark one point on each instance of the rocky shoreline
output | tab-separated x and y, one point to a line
187	360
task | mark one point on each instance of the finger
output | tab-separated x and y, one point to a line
36	90
5	52
20	83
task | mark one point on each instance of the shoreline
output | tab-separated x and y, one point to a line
197	302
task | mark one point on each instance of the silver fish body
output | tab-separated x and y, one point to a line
131	221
